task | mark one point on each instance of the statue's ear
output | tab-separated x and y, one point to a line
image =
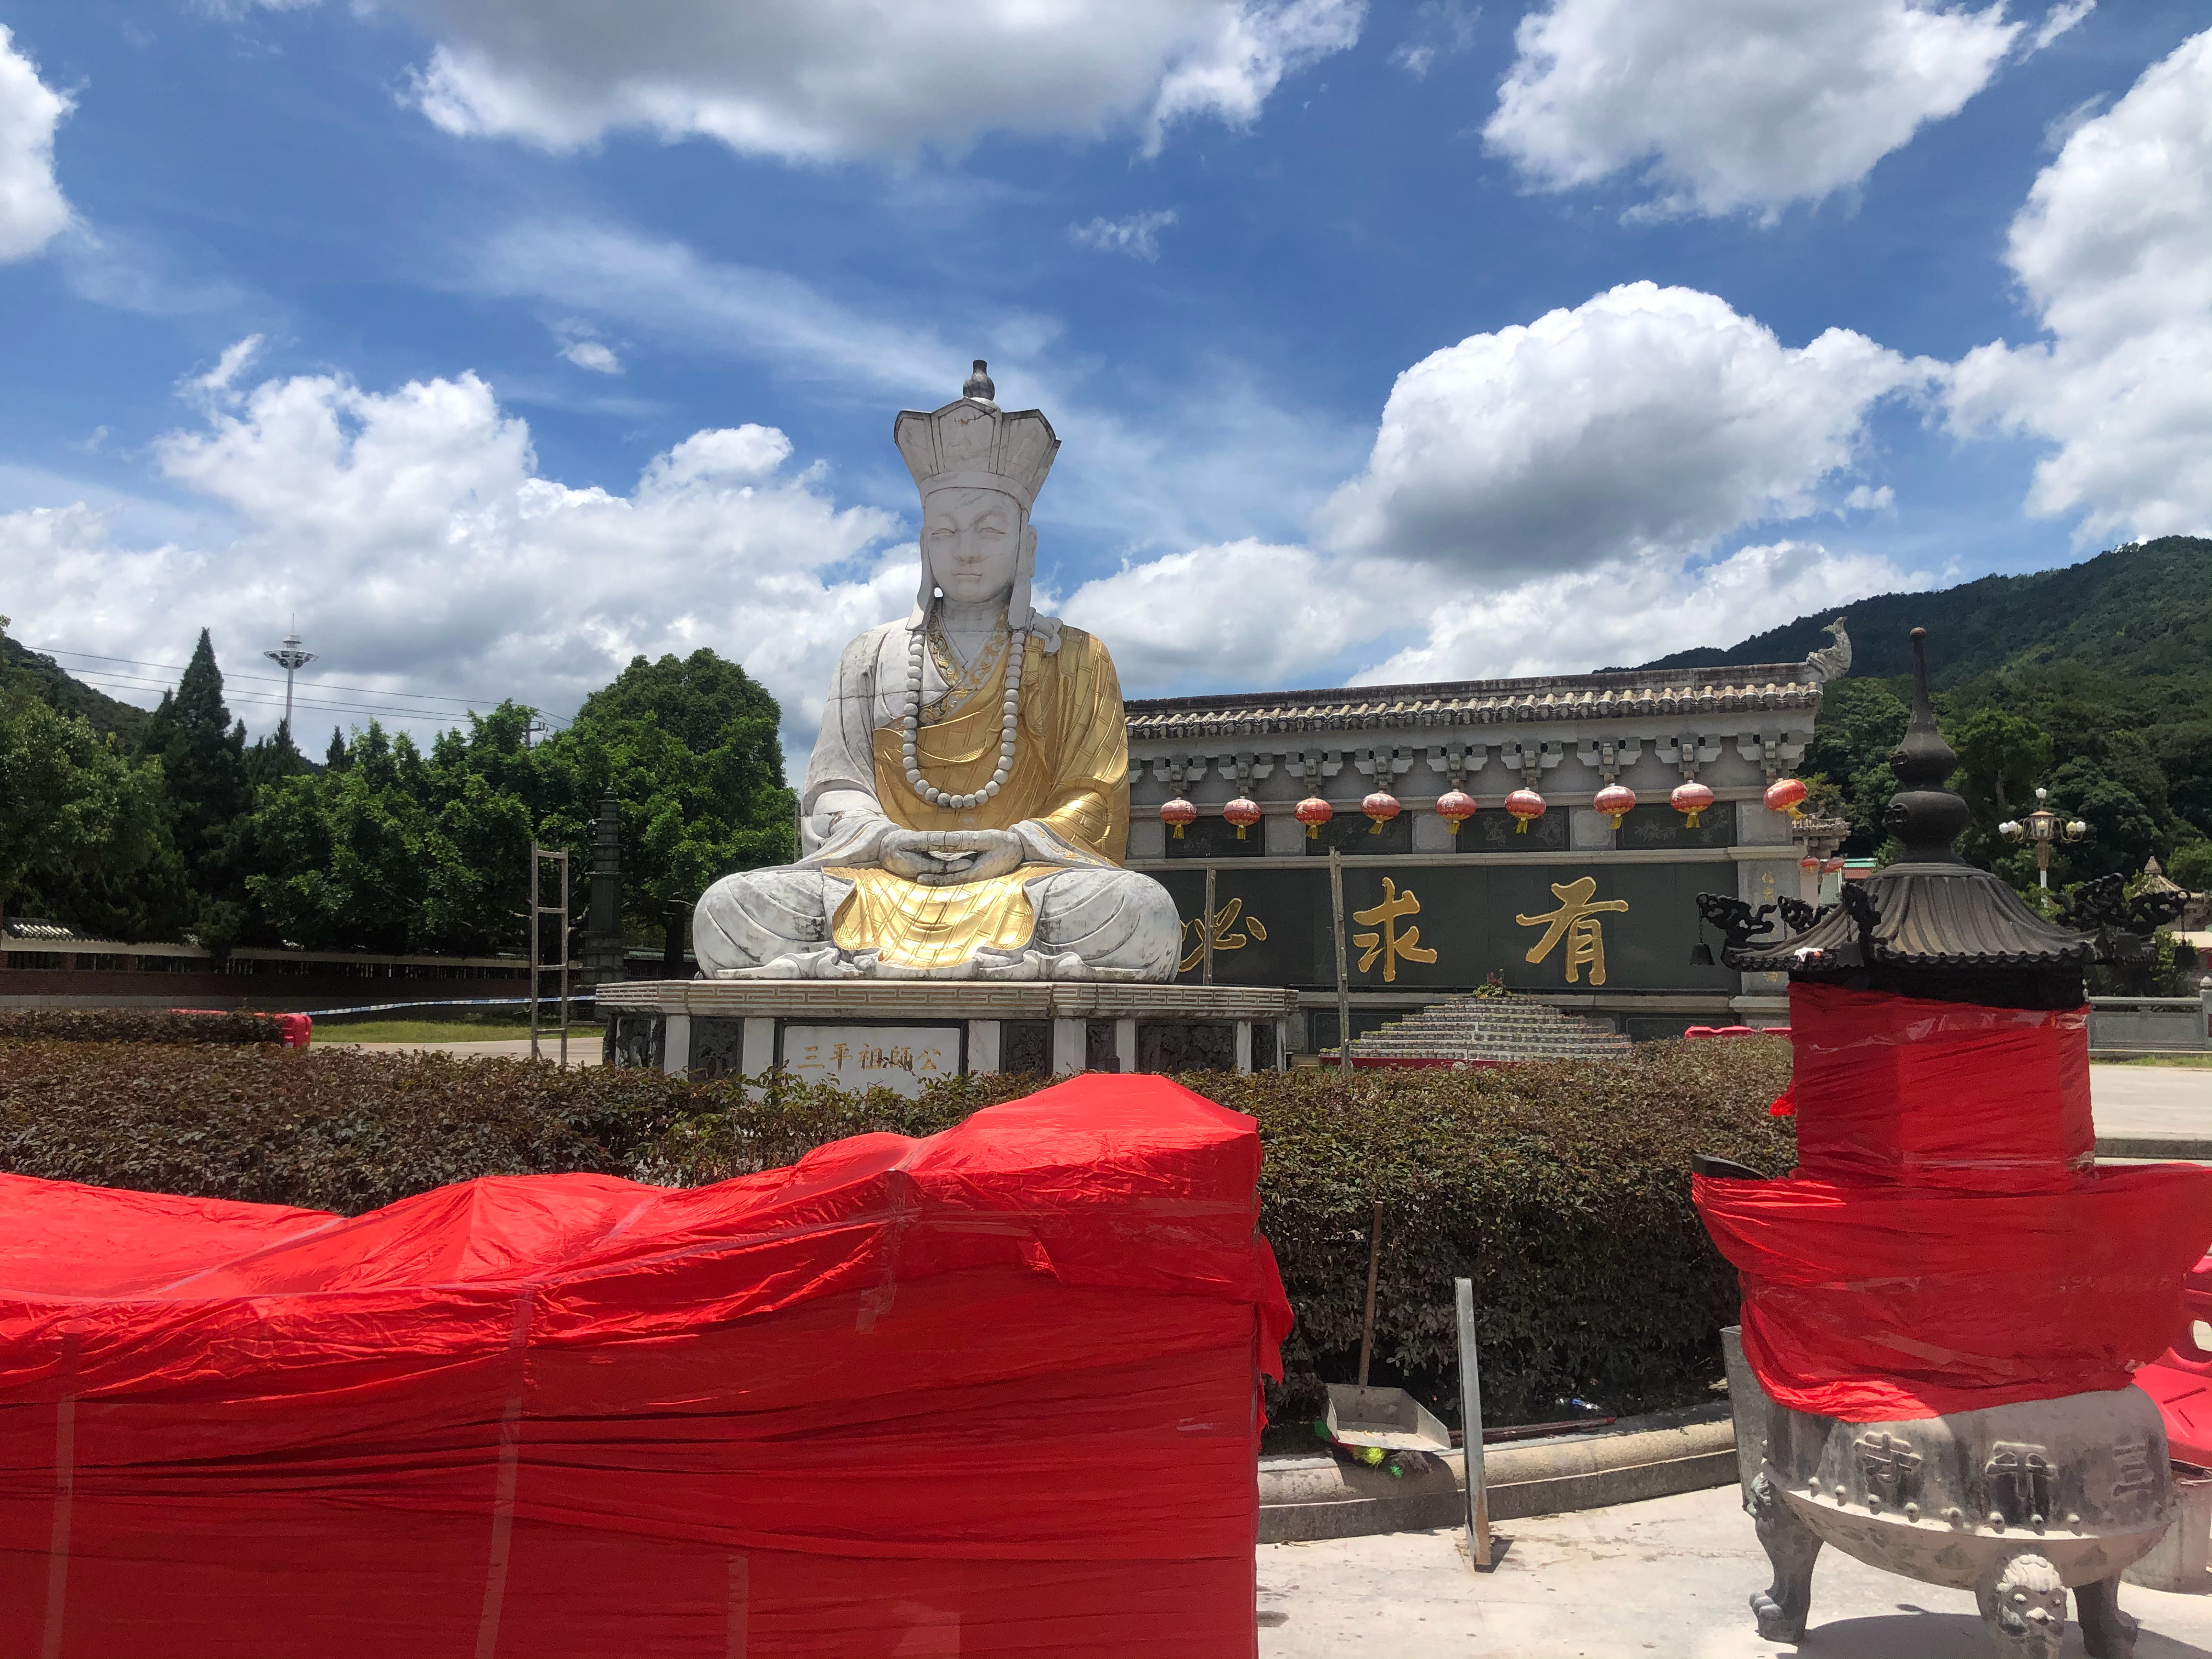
1029	543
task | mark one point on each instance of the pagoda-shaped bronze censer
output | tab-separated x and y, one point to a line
1944	1302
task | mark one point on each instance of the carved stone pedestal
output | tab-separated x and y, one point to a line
2019	1504
897	1033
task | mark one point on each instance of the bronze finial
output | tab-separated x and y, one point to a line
978	384
1923	814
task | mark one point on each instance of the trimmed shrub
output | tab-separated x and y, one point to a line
136	1025
1561	1190
336	1130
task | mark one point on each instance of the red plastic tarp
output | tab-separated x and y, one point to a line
1872	1304
991	1393
1946	1242
2180	1379
294	1030
1938	1094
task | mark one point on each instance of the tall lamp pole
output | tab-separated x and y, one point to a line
291	660
2043	827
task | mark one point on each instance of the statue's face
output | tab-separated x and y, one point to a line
972	539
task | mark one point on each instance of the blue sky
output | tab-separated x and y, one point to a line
497	340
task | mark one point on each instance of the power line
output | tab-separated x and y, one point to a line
270	699
272	679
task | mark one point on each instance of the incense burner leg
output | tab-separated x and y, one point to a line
2106	1633
1792	1546
2023	1601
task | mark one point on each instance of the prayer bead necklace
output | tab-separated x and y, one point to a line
1008	724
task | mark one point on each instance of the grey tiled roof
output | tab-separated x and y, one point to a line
1761	687
1926	916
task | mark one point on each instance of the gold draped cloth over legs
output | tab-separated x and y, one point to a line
1070	773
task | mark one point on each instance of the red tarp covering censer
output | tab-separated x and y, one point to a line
1945	1244
991	1393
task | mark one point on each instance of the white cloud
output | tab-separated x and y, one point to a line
2059	19
1633	610
2114	251
33	211
1730	106
1138	235
593	356
1245	613
1440	29
413	535
1645	419
1248	615
834	79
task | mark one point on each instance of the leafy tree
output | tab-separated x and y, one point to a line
688	747
2192	865
338	858
2001	758
1861	723
73	809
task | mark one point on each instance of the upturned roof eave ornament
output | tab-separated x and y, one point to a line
1928	909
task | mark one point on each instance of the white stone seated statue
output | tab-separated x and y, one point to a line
967	806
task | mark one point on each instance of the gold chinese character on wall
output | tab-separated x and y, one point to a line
1224	936
1575	921
1388	943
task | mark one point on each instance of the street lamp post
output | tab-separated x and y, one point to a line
2043	827
291	659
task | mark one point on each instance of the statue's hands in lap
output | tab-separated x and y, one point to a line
947	858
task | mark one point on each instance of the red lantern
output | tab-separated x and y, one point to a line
1241	813
1809	864
1616	801
1454	807
1178	812
1313	813
1525	805
1381	807
1690	799
1784	794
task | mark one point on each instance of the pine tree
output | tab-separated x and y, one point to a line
335	757
275	757
203	757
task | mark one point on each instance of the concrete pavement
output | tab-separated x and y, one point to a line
583	1047
1670	1577
2165	1103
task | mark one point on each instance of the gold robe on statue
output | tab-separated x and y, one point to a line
1070	779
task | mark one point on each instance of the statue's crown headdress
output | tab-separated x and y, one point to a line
972	442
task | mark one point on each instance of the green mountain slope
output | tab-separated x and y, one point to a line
73	697
2094	682
2144	609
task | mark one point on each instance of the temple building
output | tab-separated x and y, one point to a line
1554	832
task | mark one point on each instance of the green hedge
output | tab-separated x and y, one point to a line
1562	1190
135	1025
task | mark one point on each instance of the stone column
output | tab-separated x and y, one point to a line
1069	1039
982	1047
601	960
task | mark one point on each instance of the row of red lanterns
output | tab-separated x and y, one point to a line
1455	806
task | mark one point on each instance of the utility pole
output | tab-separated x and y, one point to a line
291	660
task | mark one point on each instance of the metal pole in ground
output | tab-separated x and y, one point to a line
534	897
564	962
1343	981
1470	1401
1205	930
1373	1268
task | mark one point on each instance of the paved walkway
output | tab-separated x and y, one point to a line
1670	1577
2168	1101
583	1047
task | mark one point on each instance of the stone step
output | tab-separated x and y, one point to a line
1491	1028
